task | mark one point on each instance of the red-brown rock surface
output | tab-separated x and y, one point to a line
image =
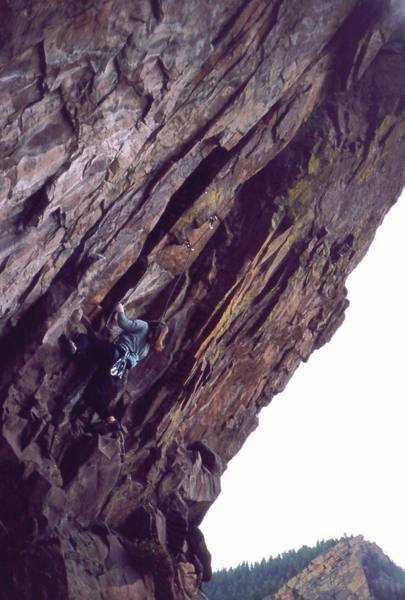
269	137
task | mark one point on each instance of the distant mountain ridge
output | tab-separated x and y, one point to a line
353	569
349	569
253	582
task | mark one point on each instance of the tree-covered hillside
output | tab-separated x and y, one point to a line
385	578
253	582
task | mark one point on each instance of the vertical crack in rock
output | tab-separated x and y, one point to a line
157	10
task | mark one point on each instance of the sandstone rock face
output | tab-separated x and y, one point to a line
352	570
231	160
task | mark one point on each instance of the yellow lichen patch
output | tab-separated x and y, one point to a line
215	196
270	246
376	155
174	422
314	164
384	127
300	196
243	292
368	171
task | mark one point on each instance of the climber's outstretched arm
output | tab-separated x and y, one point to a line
130	325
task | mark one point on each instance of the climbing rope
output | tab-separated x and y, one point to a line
211	224
212	220
170	296
121	444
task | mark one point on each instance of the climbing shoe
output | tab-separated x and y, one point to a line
117	426
105	427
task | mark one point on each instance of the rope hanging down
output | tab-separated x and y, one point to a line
211	223
170	296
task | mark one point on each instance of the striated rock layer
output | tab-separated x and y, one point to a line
231	160
352	570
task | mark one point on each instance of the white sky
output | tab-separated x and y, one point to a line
328	455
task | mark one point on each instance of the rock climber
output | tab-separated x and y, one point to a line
114	359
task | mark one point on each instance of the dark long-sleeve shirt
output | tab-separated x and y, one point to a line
133	339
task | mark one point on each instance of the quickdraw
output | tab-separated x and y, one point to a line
118	368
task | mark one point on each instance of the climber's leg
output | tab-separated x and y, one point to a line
103	352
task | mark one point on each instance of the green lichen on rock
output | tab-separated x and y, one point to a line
314	164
